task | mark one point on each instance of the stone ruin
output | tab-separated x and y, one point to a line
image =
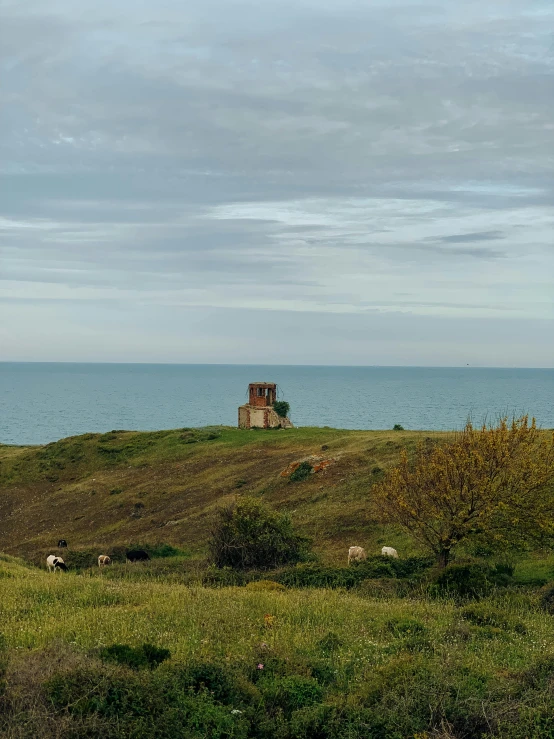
259	411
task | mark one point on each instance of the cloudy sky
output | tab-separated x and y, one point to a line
280	181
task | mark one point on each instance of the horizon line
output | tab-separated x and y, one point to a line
241	364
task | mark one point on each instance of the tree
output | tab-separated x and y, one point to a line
493	482
248	534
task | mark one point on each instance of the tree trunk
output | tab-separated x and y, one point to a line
443	557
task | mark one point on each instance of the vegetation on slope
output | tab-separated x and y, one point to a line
103	491
387	649
244	662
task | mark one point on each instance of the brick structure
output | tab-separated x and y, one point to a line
258	412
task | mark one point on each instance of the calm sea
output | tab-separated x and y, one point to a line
44	402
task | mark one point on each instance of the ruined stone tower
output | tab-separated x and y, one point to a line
259	412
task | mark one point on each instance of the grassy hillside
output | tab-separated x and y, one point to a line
319	651
108	490
261	663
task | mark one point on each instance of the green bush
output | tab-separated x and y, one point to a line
250	535
397	427
147	655
281	408
162	550
314	575
139	706
473	580
302	472
317	576
289	693
206	676
481	615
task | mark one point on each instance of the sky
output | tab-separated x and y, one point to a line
365	182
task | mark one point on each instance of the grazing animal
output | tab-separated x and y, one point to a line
389	552
104	560
55	563
62	544
137	555
356	554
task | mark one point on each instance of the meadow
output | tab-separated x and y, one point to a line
317	650
264	660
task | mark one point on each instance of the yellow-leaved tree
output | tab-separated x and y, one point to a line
495	482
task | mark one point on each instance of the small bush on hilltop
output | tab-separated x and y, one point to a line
281	408
248	535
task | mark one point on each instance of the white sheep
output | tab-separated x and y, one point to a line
356	554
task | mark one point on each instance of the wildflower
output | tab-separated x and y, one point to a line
235	711
259	666
268	620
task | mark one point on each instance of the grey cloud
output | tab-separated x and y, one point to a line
294	154
476	236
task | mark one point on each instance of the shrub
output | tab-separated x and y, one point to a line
302	472
162	550
281	408
313	575
157	706
481	615
147	655
397	427
200	676
472	580
249	535
316	576
290	693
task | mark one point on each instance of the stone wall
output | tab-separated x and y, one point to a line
263	418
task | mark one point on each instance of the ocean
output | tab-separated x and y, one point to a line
43	402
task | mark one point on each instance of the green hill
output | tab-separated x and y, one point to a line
356	652
108	490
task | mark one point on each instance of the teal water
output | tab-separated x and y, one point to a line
40	403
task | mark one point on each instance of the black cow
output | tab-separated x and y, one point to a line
137	555
62	543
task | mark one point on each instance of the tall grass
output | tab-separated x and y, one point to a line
404	665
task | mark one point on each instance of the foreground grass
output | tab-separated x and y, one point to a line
333	664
